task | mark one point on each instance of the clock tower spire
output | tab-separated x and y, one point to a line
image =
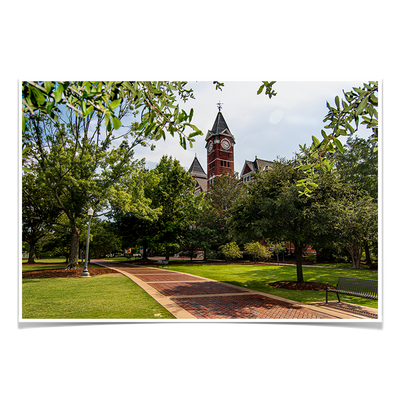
220	149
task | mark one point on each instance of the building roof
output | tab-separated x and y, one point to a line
261	165
196	170
257	165
220	127
202	183
198	174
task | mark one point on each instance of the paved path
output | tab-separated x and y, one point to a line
188	296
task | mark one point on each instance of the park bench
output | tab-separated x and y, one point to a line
162	262
358	287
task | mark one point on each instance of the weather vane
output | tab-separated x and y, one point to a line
219	105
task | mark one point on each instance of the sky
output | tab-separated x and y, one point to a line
262	127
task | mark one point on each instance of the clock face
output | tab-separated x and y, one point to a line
210	146
226	144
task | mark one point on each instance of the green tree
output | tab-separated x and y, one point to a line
80	168
173	195
257	251
353	222
343	119
231	251
272	211
224	192
134	231
157	101
172	209
39	211
205	234
103	238
358	165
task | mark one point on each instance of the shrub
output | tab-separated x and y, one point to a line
231	251
257	251
312	258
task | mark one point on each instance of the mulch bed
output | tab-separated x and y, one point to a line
65	273
293	285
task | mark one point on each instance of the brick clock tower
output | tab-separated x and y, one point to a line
220	149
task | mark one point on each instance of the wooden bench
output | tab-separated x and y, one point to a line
367	288
162	262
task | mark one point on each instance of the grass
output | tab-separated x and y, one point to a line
48	261
35	267
257	277
114	296
111	296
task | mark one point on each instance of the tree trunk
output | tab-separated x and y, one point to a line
298	249
31	259
74	249
367	254
355	251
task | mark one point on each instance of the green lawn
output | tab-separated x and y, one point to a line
48	260
111	296
36	267
257	277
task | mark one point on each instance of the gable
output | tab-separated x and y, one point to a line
247	168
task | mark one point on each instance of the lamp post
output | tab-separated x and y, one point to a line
85	273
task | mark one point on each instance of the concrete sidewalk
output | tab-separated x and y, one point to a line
188	296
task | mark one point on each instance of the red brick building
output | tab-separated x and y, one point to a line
220	144
220	150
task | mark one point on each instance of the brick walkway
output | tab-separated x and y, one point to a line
188	296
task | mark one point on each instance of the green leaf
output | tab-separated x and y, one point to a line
25	150
48	85
349	127
260	89
315	140
116	122
40	99
195	128
359	91
115	103
373	99
90	110
58	94
337	101
305	167
361	106
49	107
129	87
83	106
339	145
87	86
326	164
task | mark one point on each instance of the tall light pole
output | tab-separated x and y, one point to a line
85	273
